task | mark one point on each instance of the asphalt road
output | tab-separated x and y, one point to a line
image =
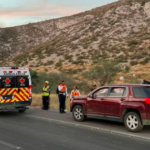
49	130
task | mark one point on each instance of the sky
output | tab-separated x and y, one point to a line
19	12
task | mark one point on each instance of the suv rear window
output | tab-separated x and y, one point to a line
8	82
141	92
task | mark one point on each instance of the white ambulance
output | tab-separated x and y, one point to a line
15	88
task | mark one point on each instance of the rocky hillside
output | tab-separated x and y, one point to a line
119	31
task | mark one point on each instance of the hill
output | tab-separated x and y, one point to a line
118	31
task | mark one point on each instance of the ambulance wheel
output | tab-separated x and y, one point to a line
22	111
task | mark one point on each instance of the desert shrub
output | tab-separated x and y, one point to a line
50	62
54	79
127	69
103	73
133	42
68	56
58	64
8	33
133	63
145	61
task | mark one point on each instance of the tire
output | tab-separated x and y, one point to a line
22	110
133	122
78	113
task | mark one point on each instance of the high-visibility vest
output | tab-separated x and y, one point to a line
64	89
75	93
45	91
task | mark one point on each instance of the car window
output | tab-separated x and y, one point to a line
22	81
8	82
141	92
101	92
117	92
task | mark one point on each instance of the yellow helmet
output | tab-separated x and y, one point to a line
47	82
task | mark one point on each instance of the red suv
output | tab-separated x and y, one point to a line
124	103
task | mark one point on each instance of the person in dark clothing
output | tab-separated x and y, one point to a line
62	96
46	96
93	88
145	82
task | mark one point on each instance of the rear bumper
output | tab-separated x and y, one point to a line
15	104
146	122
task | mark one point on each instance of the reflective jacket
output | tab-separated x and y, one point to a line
74	93
46	91
63	89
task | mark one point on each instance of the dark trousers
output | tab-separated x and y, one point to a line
62	99
46	101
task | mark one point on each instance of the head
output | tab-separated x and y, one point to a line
94	86
63	82
46	83
75	87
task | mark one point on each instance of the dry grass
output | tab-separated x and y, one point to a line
54	102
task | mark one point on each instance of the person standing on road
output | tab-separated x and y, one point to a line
74	93
62	96
46	96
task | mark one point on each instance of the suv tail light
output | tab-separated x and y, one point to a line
30	90
147	100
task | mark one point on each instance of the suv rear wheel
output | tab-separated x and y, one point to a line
78	113
132	122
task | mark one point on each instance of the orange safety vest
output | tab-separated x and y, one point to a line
75	93
64	89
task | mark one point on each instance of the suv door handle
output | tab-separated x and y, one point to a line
102	99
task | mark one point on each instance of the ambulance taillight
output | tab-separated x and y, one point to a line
30	91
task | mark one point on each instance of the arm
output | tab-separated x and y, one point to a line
71	95
60	88
89	88
49	91
66	92
79	93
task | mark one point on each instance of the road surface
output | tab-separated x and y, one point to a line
49	130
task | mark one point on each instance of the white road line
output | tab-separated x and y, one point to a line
91	127
9	145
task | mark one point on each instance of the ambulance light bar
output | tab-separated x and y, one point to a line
14	68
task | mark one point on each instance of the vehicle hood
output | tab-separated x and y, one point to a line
80	98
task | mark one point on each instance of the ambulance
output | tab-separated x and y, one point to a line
15	88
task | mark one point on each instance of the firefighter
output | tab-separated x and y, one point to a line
63	94
46	96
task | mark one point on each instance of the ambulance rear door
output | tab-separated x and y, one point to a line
8	89
22	84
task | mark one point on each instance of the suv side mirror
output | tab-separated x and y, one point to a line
94	96
91	96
